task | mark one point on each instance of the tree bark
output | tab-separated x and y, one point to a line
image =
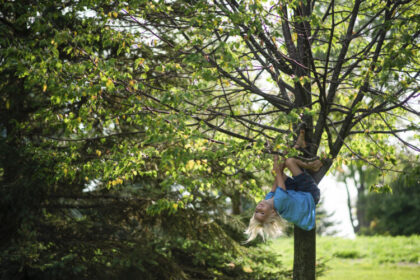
304	254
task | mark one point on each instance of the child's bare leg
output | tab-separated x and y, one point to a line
291	164
295	165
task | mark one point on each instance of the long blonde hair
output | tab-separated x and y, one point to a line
272	227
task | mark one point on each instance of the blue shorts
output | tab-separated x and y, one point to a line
304	183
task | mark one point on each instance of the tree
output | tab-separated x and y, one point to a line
206	84
86	183
346	69
396	212
362	177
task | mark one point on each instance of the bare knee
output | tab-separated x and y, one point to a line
293	165
290	162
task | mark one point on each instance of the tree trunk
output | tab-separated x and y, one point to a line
356	228
361	206
304	254
305	242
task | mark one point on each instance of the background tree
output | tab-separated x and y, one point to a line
396	212
362	177
200	87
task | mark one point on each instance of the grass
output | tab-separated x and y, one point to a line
370	258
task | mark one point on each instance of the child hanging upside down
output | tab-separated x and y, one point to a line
293	199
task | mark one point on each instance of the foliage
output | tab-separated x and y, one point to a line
96	182
348	76
127	232
396	213
375	199
110	236
365	179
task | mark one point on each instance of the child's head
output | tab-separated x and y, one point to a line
265	222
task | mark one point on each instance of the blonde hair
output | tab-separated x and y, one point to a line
272	227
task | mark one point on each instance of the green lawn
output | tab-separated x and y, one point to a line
369	258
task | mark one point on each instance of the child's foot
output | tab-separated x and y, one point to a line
300	142
315	165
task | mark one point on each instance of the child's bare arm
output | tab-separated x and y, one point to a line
278	173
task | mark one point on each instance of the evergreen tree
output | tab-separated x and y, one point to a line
96	181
